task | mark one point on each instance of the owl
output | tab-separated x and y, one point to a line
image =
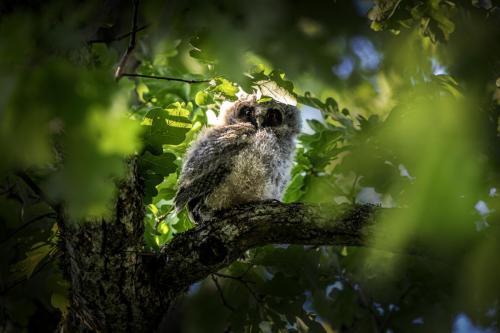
246	158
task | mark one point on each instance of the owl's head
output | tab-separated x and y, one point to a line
283	119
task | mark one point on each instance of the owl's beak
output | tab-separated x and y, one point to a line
260	120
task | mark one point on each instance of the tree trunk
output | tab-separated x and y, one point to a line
115	287
111	291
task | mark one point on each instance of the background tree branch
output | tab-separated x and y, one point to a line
166	78
131	45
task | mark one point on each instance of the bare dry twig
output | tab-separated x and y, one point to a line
117	38
167	78
131	45
57	207
221	294
119	73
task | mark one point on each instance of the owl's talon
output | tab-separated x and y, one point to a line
271	201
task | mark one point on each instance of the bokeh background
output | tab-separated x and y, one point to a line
400	101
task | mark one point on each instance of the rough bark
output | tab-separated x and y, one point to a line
215	244
110	289
117	288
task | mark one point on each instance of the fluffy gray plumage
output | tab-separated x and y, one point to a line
246	158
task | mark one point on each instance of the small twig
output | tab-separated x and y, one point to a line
34	187
258	298
244	282
405	293
25	225
167	78
221	294
232	277
57	207
7	190
123	61
249	268
365	303
353	197
117	38
131	45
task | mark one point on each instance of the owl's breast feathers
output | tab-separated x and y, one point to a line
258	172
231	165
209	161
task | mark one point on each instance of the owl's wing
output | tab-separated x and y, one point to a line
209	161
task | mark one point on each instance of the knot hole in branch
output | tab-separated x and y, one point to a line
212	251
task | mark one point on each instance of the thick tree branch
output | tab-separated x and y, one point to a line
111	289
215	244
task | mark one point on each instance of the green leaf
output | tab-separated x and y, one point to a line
283	286
166	126
103	55
26	267
202	98
162	164
225	87
61	302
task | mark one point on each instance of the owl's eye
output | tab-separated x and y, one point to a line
273	118
246	113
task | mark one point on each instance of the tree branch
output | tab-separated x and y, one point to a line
57	207
167	78
131	45
119	73
221	294
215	244
27	224
117	38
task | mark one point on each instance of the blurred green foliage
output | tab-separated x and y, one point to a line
402	103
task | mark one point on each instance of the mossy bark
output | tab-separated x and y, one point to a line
115	287
111	287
